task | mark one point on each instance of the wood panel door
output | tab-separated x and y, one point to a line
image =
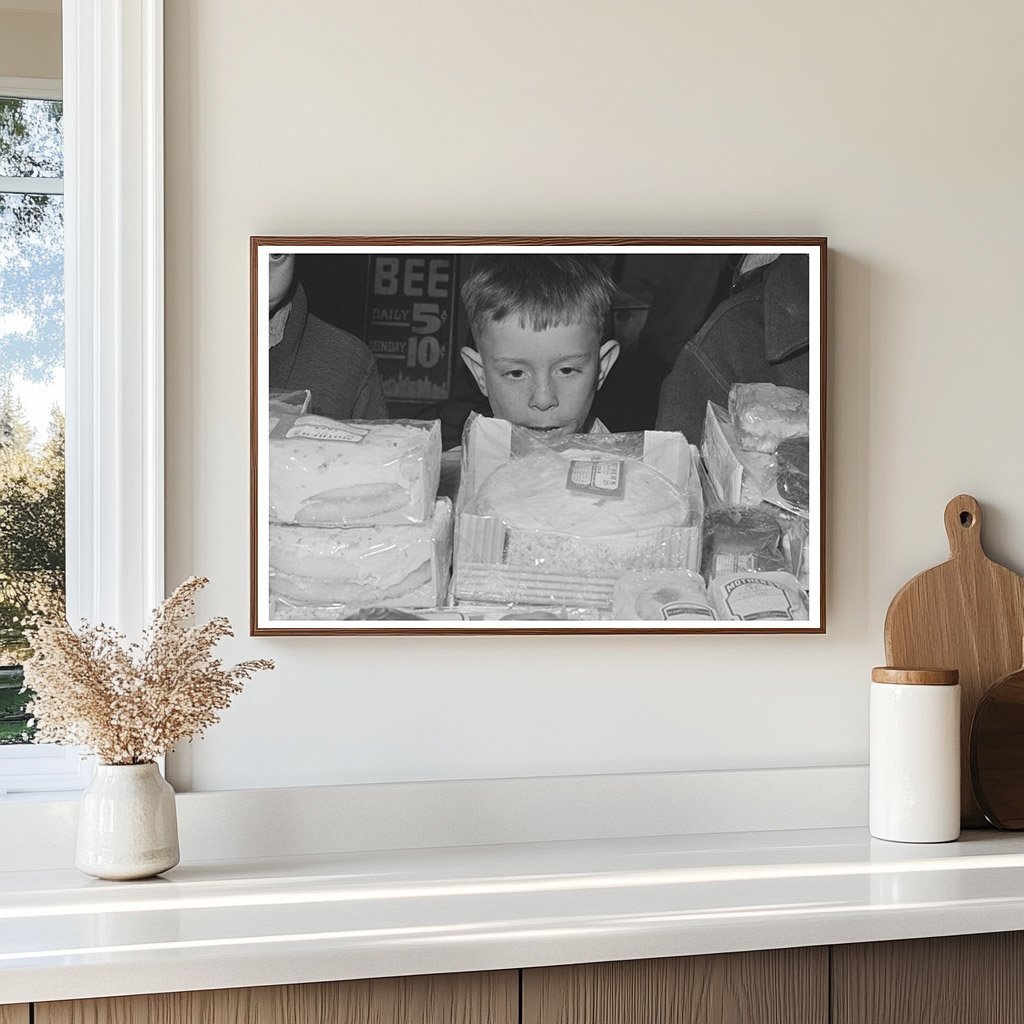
14	1014
778	986
480	998
962	979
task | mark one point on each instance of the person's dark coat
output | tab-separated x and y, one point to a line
336	367
758	335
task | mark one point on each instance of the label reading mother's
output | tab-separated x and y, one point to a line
757	597
605	477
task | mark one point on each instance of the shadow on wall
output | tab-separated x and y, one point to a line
848	419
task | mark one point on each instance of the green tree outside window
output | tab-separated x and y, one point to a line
32	543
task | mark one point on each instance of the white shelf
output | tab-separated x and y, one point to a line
231	923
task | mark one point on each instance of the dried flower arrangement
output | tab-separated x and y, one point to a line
129	704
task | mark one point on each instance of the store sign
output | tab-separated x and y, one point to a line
410	312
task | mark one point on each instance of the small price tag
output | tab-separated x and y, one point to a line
322	432
318	428
681	610
735	561
605	477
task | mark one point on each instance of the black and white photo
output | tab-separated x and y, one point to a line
537	435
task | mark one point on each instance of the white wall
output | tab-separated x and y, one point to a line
894	129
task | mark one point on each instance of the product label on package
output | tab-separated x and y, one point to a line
605	477
734	561
683	610
753	597
317	428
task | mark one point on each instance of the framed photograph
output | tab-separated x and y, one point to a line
537	435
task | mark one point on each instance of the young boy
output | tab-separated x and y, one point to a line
538	320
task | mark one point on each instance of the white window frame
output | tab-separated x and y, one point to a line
31	89
114	336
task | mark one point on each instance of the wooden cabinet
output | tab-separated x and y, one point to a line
491	998
778	986
963	979
972	979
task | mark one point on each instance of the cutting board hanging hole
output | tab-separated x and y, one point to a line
963	526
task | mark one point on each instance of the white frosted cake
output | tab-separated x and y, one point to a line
553	525
556	523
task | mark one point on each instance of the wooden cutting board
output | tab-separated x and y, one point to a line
967	614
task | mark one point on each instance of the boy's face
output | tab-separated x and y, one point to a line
543	380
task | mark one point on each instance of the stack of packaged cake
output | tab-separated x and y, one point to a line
355	519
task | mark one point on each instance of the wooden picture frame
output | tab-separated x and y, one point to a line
377	324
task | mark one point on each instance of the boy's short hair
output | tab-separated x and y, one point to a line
544	290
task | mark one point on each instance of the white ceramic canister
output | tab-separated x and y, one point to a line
915	755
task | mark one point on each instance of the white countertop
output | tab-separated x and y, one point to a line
224	924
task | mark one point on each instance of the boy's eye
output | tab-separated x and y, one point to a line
568	371
514	374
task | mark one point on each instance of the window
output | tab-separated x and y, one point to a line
113	335
31	407
31	381
32	534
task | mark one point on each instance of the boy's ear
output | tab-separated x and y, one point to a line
472	358
607	355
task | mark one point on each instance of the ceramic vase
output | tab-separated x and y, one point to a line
127	825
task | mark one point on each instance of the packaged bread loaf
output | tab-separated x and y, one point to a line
741	538
764	414
332	473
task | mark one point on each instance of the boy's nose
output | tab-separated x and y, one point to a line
543	396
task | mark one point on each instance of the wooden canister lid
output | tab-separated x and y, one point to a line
917	676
